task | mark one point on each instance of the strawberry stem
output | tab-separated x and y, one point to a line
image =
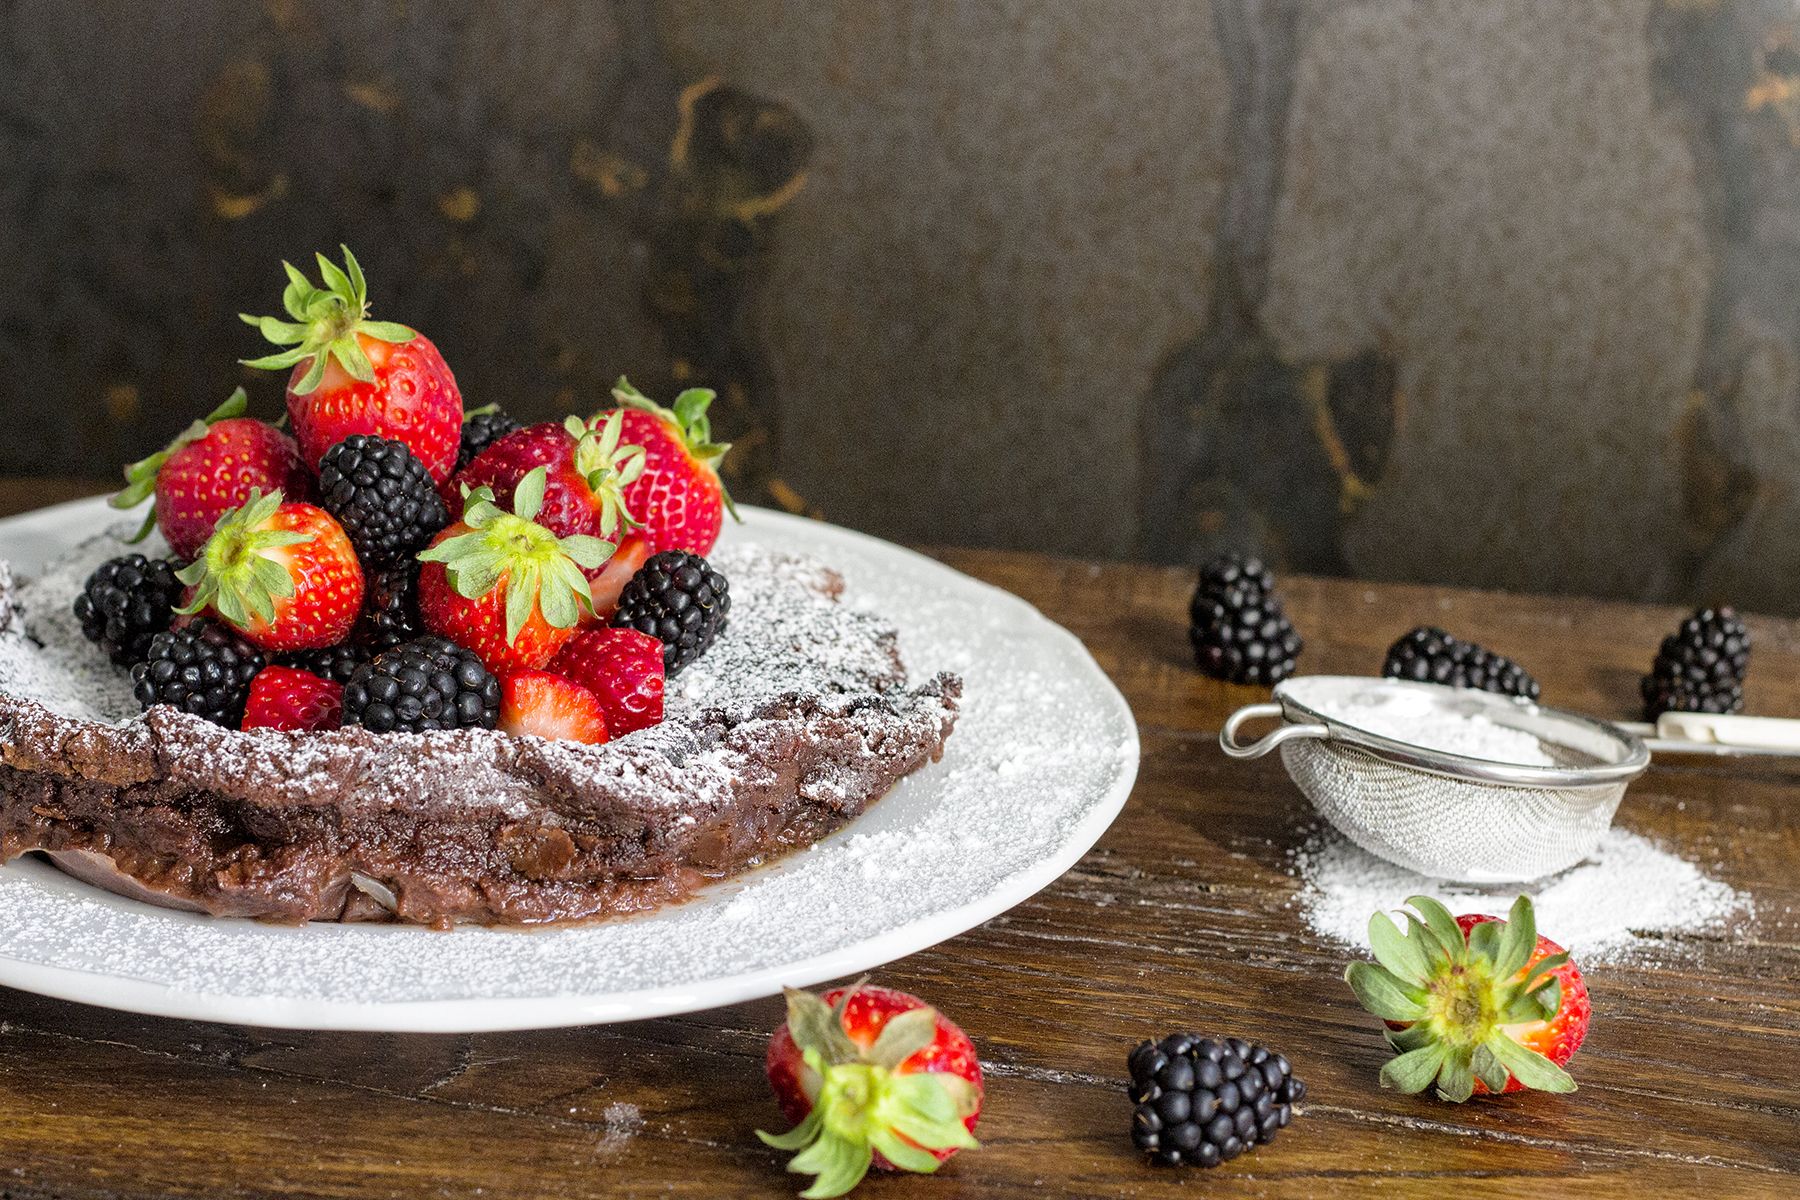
326	324
236	574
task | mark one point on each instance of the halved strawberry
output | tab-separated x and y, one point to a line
289	698
282	574
679	497
354	375
873	1077
552	707
586	471
1473	1003
621	666
208	470
606	583
502	585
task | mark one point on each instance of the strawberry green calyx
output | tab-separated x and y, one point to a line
861	1104
325	324
237	574
541	570
1456	998
690	419
140	476
607	467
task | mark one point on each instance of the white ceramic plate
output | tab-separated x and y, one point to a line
1042	759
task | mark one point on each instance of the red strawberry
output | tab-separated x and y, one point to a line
210	469
502	585
552	707
284	575
586	470
621	666
289	698
679	497
354	375
610	580
1474	1003
873	1077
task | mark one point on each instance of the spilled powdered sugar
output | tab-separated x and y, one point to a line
1629	900
1042	755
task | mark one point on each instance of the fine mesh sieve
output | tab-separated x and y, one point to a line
1447	815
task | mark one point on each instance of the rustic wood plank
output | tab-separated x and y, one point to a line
1179	918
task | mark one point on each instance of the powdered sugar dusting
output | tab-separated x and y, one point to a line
1630	900
1404	715
1043	754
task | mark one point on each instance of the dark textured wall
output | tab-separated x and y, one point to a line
1489	291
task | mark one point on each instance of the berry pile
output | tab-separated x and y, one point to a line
1203	1101
402	565
1239	631
1700	667
1429	655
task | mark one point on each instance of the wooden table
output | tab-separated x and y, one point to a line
1178	919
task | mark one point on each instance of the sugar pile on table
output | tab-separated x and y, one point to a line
1627	900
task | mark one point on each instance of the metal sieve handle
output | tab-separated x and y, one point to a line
1229	743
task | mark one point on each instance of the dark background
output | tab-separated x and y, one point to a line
1498	292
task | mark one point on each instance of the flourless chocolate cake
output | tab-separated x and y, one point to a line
798	718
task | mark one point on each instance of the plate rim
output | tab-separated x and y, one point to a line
489	1014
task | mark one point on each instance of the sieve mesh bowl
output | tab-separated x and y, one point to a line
1445	815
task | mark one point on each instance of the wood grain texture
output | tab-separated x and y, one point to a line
1178	919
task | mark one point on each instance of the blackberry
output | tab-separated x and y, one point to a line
203	668
1237	625
1429	655
1203	1101
427	683
390	613
481	429
336	663
679	599
126	602
1230	569
1700	667
383	497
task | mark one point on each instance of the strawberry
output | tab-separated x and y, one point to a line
289	698
586	471
282	574
873	1077
551	707
502	585
1474	1003
209	470
606	583
354	375
621	666
679	497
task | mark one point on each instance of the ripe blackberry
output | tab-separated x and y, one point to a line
126	602
1700	667
336	663
1239	630
428	683
481	429
203	668
1429	655
383	497
1230	569
679	599
390	612
1203	1101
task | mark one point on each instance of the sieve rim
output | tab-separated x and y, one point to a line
1634	756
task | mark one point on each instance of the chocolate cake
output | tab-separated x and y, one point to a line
799	717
